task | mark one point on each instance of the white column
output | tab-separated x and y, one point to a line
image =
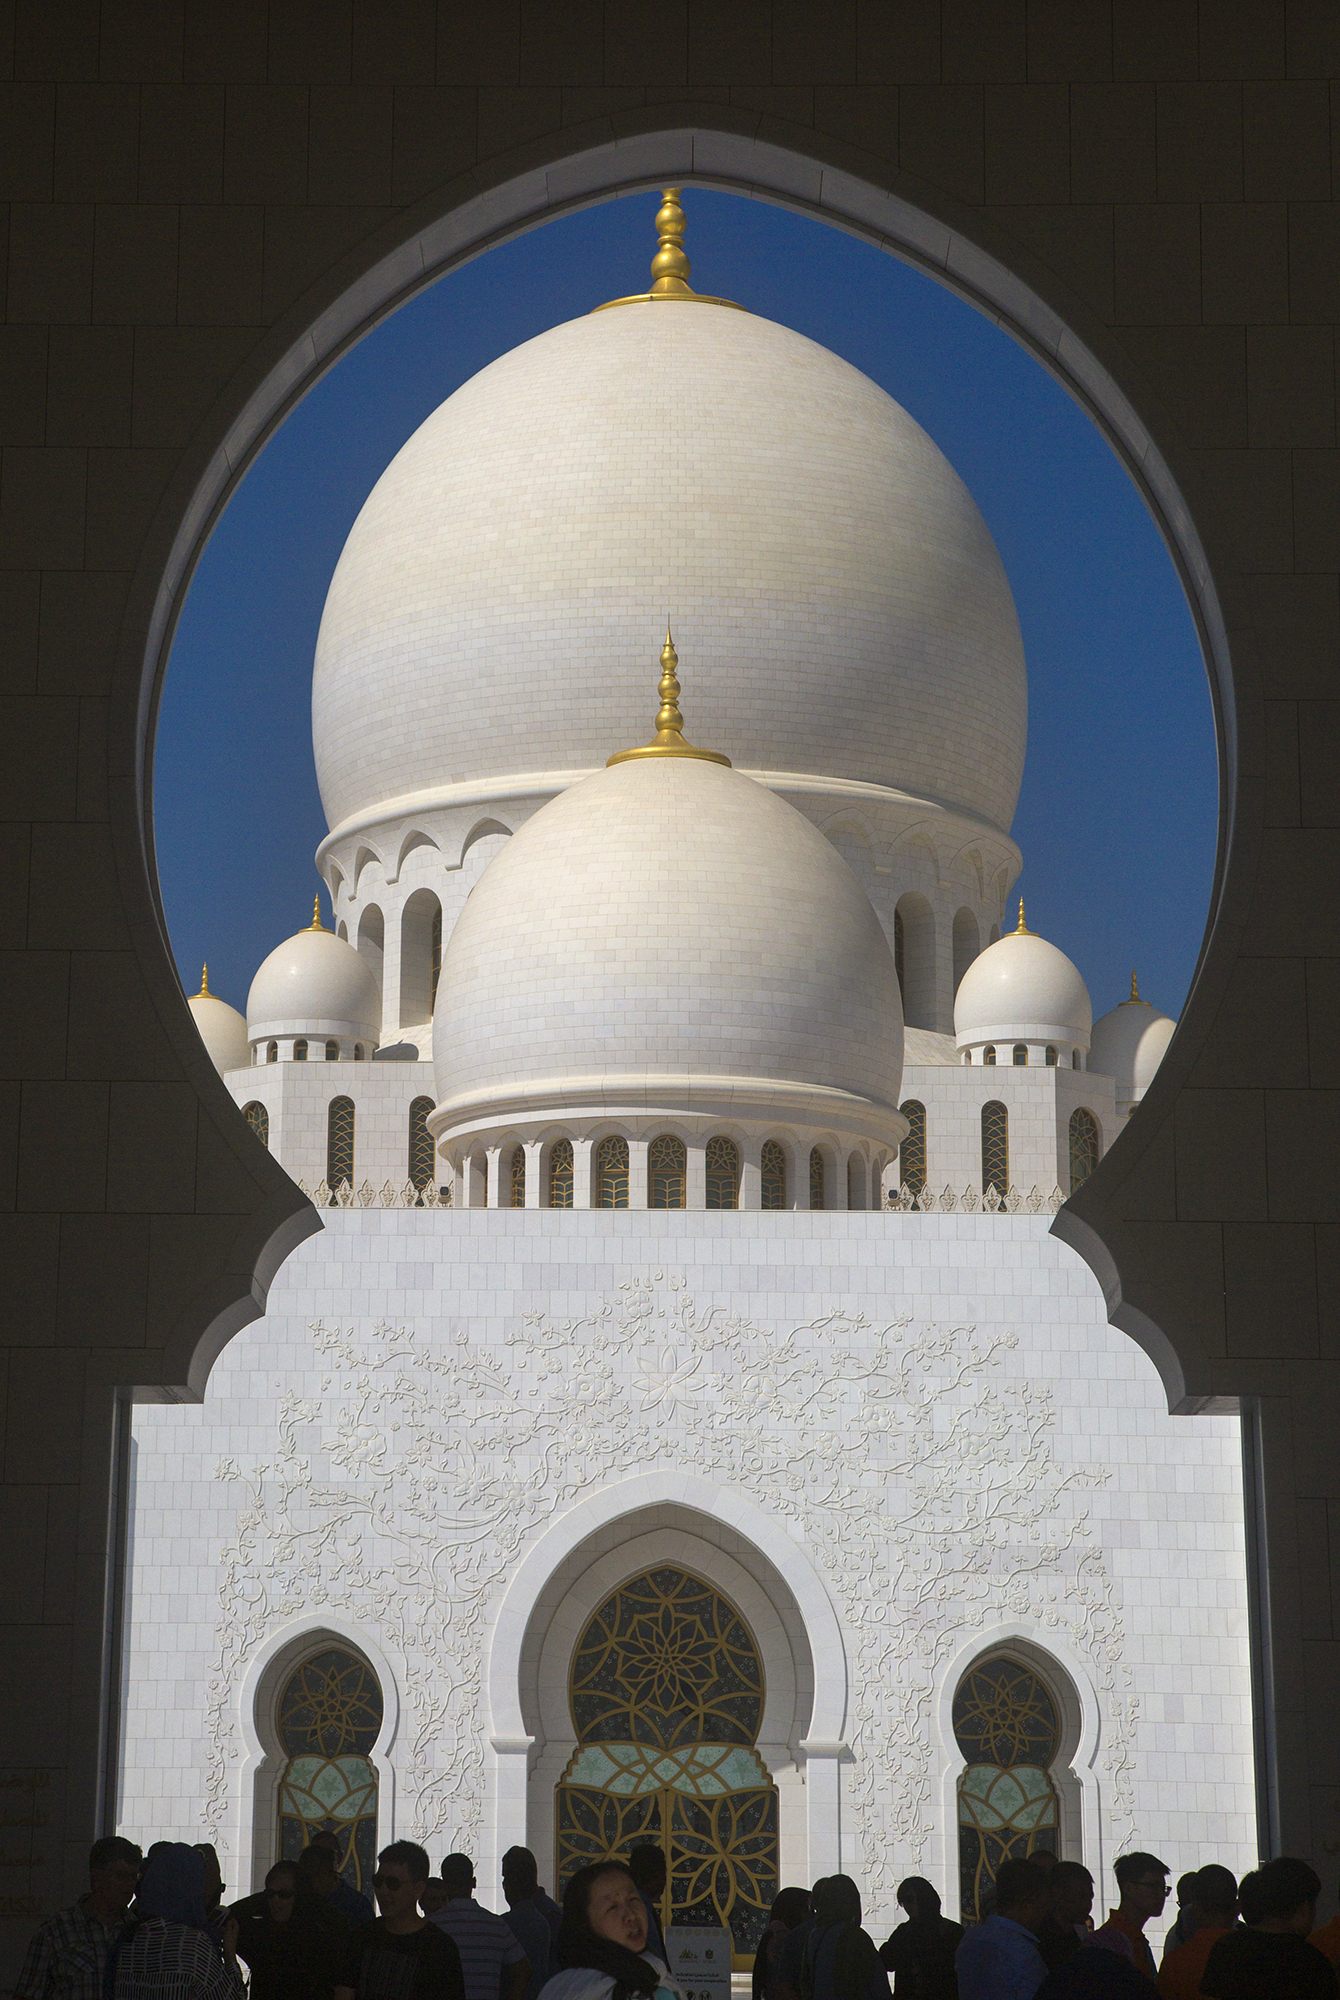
695	1178
493	1196
508	1819
581	1173
392	913
751	1174
823	1800
797	1175
534	1148
637	1173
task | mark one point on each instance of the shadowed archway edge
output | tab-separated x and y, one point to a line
1128	1204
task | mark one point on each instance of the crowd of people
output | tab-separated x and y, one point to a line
157	1927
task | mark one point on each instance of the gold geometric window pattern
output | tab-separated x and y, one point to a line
340	1142
723	1173
995	1149
912	1152
1006	1726
667	1169
612	1173
1084	1147
258	1118
816	1178
329	1716
560	1174
422	1156
518	1177
774	1175
666	1692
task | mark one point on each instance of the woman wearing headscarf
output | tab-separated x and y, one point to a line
293	1944
841	1961
167	1950
601	1943
791	1908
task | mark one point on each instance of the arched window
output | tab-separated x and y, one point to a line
1051	1056
995	1149
666	1693
1085	1147
518	1177
258	1118
329	1717
856	1181
774	1175
912	1152
899	953
422	1153
560	1174
667	1170
816	1178
332	1051
420	956
723	1173
300	1051
612	1173
989	1056
1008	1730
918	982
358	1052
272	1052
340	1142
1021	1055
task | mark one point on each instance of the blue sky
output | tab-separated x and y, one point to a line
1117	815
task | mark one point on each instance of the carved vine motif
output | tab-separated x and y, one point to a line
920	1474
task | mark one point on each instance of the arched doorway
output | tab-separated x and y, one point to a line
666	1692
327	1719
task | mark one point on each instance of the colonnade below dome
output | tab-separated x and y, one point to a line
619	1169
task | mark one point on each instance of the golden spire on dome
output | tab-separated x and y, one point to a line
204	993
670	266
1135	993
669	738
316	923
1022	929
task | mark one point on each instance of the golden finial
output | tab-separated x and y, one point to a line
1022	929
669	738
1135	992
670	266
316	923
204	993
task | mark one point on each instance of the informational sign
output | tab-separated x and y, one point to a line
700	1962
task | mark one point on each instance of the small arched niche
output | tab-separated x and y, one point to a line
918	956
420	957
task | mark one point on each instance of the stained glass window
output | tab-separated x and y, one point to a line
1006	1726
272	1052
518	1177
1084	1147
340	1142
912	1152
989	1057
612	1173
329	1715
666	1172
1051	1056
774	1175
723	1173
666	1692
422	1153
560	1174
258	1118
995	1149
816	1178
332	1051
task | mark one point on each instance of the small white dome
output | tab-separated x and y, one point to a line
314	984
669	936
1022	989
1129	1044
220	1027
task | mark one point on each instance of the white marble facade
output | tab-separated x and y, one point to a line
893	1440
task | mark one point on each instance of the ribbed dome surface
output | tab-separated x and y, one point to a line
825	568
667	919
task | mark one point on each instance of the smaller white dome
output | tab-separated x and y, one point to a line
314	984
1022	989
220	1027
1129	1044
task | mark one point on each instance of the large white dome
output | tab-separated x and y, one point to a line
220	1027
314	984
1022	989
1129	1043
845	607
664	936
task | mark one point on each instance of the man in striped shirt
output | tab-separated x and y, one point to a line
66	1958
486	1945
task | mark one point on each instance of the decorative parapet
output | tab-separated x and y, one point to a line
925	1201
388	1195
